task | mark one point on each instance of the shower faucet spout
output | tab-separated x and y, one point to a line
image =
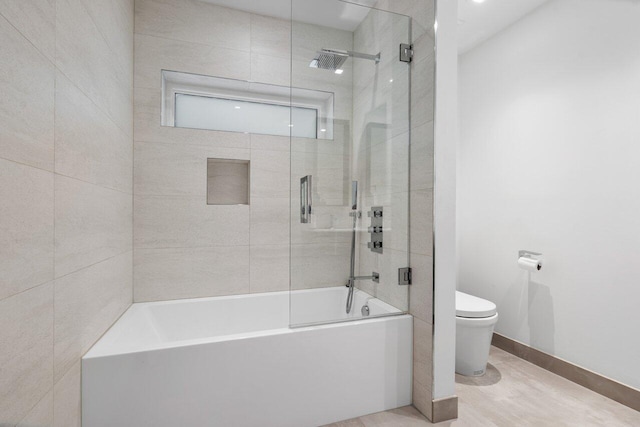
374	276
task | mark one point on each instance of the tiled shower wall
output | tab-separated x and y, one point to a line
185	248
381	150
421	176
320	250
66	137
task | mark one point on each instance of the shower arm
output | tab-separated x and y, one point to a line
350	53
375	58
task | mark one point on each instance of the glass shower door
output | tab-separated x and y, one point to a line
349	184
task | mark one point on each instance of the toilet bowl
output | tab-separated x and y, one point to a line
475	319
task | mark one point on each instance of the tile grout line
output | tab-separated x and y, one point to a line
40	52
133	157
55	99
222	47
109	47
97	185
103	111
94	264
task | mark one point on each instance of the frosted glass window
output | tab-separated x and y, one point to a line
205	112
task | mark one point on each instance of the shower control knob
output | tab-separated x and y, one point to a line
375	229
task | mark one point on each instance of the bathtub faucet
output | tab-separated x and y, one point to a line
374	276
351	284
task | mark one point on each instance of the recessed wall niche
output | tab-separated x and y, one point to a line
227	182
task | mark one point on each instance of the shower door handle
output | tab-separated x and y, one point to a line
305	199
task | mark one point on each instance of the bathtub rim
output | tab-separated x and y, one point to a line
99	350
236	337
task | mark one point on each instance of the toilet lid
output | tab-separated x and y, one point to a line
470	306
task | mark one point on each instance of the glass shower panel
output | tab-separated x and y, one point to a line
350	193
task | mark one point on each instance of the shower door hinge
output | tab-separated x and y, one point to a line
404	276
406	52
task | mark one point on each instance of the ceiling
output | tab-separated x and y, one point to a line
478	22
329	13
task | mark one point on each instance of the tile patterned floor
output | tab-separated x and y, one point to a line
515	393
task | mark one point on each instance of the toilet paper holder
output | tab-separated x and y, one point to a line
528	260
528	254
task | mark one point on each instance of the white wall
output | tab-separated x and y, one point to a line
548	161
444	212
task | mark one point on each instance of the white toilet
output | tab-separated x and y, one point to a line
475	319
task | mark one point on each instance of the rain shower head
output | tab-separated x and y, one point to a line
328	59
332	59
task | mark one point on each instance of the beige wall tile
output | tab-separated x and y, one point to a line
154	54
422	157
84	56
87	303
421	222
147	126
269	221
422	352
421	292
332	186
177	169
26	340
376	80
270	174
35	20
92	224
329	224
307	39
41	415
445	409
270	142
423	44
94	50
302	76
366	262
421	12
26	105
422	92
339	145
319	265
311	162
89	146
26	227
192	21
388	290
269	270
114	19
421	398
165	274
271	36
270	69
396	221
179	222
67	405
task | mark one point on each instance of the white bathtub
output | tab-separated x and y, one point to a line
234	361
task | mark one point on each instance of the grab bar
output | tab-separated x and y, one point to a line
305	199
